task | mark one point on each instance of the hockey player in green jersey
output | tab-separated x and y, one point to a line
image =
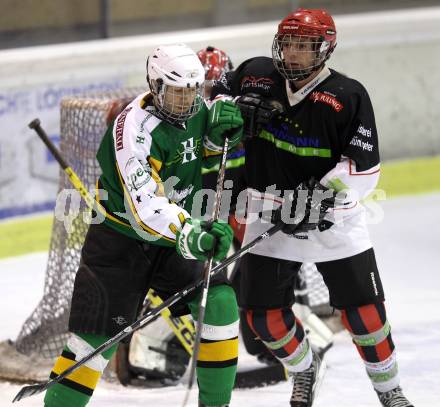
151	158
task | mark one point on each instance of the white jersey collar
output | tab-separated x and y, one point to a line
299	95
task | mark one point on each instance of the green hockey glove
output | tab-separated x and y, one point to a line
224	120
224	235
198	238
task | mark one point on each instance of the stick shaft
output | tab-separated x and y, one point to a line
207	273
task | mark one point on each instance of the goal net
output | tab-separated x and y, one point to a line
83	122
44	333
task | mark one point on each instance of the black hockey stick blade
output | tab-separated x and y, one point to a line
28	391
262	376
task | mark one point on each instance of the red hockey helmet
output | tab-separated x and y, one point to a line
311	33
215	62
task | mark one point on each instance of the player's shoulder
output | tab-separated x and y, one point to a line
347	86
257	67
257	63
136	124
258	75
141	117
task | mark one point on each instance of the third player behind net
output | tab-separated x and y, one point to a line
327	133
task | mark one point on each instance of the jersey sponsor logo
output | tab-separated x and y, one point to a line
256	83
363	131
285	132
327	99
120	128
145	120
365	145
189	150
137	174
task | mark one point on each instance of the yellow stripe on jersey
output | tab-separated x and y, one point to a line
181	217
84	375
208	153
218	351
156	165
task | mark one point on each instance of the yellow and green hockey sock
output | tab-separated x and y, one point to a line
218	356
76	389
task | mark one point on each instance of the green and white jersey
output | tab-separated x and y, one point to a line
151	171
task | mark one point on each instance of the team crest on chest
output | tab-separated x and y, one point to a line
188	151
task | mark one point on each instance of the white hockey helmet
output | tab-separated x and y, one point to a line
175	76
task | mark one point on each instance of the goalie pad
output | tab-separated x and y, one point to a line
156	353
320	336
159	353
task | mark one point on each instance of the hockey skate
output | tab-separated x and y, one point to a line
306	384
393	398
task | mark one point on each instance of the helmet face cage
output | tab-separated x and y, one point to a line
177	104
297	56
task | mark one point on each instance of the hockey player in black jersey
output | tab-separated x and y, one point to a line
311	128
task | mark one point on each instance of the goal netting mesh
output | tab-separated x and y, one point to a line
83	124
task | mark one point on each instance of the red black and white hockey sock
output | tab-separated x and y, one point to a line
284	336
371	333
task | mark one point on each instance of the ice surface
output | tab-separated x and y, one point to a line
407	243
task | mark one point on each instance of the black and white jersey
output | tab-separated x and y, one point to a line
327	131
330	118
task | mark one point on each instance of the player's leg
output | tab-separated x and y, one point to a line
267	294
252	346
217	361
218	355
356	289
77	389
109	288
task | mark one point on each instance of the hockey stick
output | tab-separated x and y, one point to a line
182	326
28	391
206	276
73	177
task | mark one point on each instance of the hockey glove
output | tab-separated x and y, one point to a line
198	239
224	121
257	112
310	203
